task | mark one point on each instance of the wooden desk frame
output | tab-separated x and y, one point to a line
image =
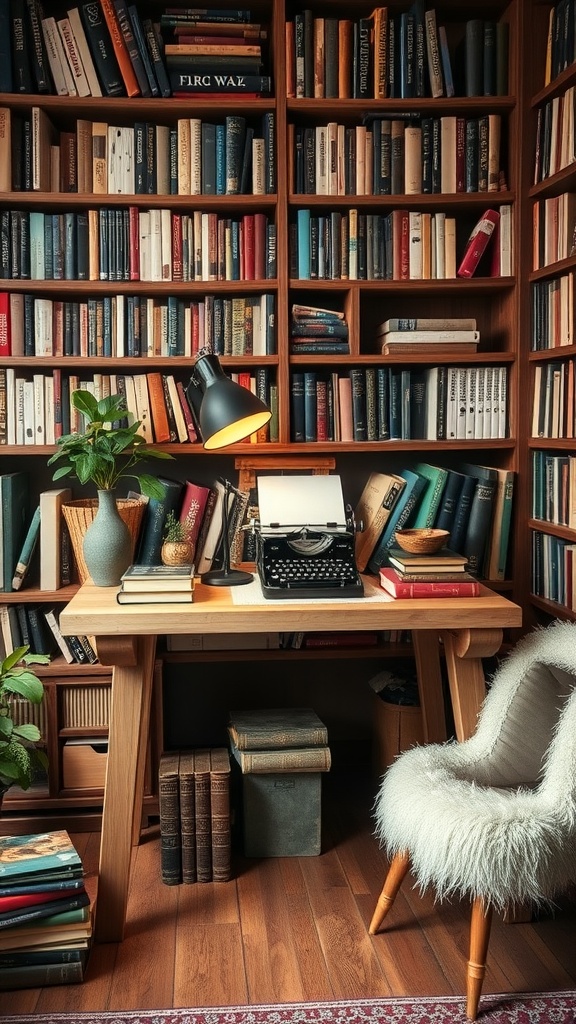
470	628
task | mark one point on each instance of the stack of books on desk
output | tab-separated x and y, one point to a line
45	915
157	584
439	575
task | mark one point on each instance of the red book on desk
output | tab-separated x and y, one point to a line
394	585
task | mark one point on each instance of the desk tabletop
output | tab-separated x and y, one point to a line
95	611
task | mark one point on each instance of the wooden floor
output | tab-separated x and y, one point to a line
296	929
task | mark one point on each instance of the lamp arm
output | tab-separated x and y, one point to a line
226	527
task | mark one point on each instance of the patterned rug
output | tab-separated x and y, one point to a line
531	1008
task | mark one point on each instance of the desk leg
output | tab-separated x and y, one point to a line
128	731
427	654
464	650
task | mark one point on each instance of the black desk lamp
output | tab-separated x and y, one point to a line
227	413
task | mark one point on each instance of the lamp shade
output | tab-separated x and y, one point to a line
227	412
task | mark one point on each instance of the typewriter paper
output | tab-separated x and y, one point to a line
287	503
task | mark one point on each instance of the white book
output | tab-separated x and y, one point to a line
360	160
321	160
448	153
258	176
127	161
179	420
36	229
144	245
461	403
10	405
415	245
20	411
84	51
205	556
120	326
195	184
113	150
503	406
155	246
61	75
505	240
495	406
50	536
42	327
130	398
449	247
49	436
54	626
412	159
143	406
431	403
440	225
73	57
480	400
332	157
166	243
183	139
488	399
451	402
471	393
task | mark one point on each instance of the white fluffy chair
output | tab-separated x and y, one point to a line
494	817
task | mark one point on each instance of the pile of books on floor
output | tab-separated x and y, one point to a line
195	824
45	913
456	334
318	331
442	574
157	584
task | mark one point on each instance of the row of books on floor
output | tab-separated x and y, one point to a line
553	406
45	911
389	403
473	503
394	55
552	313
554	569
554	488
274	640
116	49
402	245
195	819
192	157
136	245
133	325
38	410
393	156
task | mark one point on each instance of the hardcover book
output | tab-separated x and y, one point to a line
394	585
187	816
158	577
169	805
272	728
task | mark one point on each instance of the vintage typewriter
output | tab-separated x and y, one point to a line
310	558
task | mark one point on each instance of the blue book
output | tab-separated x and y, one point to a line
220	160
32	855
429	504
457	538
156	512
138	31
303	244
401	512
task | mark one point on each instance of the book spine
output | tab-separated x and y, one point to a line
187	816
220	814
203	823
120	49
169	806
404	589
312	759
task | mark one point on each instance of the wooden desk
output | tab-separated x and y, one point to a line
471	628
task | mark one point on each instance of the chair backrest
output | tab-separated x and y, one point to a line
523	736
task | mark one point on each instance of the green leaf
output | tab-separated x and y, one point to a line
27	732
86	403
6	726
150	486
13	659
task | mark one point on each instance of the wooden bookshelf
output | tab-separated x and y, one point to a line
501	305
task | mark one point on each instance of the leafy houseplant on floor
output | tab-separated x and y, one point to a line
18	755
106	452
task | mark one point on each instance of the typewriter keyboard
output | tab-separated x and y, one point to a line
321	577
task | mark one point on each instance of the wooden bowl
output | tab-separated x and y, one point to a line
421	542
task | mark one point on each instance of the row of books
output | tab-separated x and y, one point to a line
133	325
400	246
553	406
554	488
552	313
38	409
192	157
473	503
554	569
560	51
393	156
38	628
388	403
555	139
293	640
553	229
45	912
393	55
195	821
136	245
102	48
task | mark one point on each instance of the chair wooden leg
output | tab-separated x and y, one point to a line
396	872
480	921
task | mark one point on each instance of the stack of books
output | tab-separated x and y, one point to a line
195	823
442	574
214	52
157	584
45	914
432	334
318	331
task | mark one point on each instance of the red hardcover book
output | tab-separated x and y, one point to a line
248	246
134	254
120	48
477	242
30	899
193	508
177	264
5	333
394	585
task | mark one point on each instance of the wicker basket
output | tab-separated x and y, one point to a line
81	512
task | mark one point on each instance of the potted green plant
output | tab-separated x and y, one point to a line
18	755
107	451
176	548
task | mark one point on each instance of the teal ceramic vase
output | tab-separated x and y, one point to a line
107	543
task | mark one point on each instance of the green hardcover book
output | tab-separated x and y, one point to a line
427	508
14	519
40	975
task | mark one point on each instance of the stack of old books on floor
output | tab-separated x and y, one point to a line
157	584
195	826
45	913
442	574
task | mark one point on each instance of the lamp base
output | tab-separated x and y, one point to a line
226	577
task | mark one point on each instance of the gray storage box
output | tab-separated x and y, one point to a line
280	788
